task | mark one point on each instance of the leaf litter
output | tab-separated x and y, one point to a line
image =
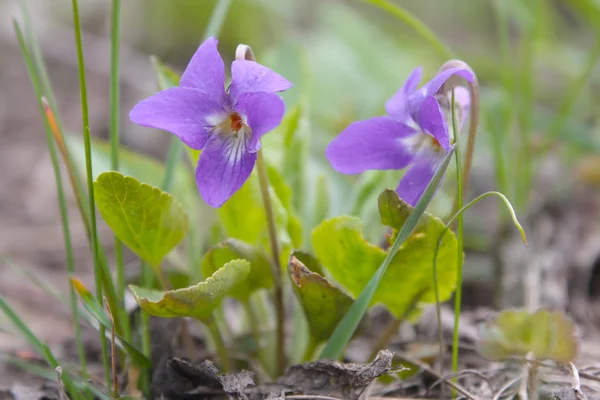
179	378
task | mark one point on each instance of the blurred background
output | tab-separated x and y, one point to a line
538	140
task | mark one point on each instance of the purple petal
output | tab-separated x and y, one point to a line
263	112
181	111
225	164
417	177
376	143
433	121
251	77
414	101
432	87
396	105
206	71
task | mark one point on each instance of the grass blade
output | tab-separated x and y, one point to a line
337	342
416	24
61	196
85	119
96	311
36	343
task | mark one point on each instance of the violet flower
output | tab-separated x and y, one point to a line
415	133
226	125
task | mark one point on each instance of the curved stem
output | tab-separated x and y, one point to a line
244	52
447	227
275	264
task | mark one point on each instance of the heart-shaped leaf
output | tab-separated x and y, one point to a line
260	275
352	261
324	304
196	301
545	334
149	221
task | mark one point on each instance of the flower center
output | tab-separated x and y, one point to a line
236	122
435	144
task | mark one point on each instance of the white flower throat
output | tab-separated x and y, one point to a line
232	125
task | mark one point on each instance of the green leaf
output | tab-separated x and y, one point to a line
324	304
140	166
337	342
393	210
259	277
546	334
284	194
243	215
352	261
146	219
195	301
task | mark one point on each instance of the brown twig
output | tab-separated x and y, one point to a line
431	371
459	374
113	351
389	331
505	388
576	383
63	395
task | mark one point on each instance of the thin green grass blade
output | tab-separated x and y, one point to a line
213	28
344	331
43	87
36	343
99	315
61	195
85	119
416	24
50	375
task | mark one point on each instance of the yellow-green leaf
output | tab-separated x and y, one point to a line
243	215
149	221
196	301
260	275
352	261
324	304
545	334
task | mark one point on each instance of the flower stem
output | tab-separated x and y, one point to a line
145	328
90	180
459	251
252	321
275	265
244	52
219	345
114	147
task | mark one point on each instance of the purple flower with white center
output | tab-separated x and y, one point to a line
415	133
226	125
